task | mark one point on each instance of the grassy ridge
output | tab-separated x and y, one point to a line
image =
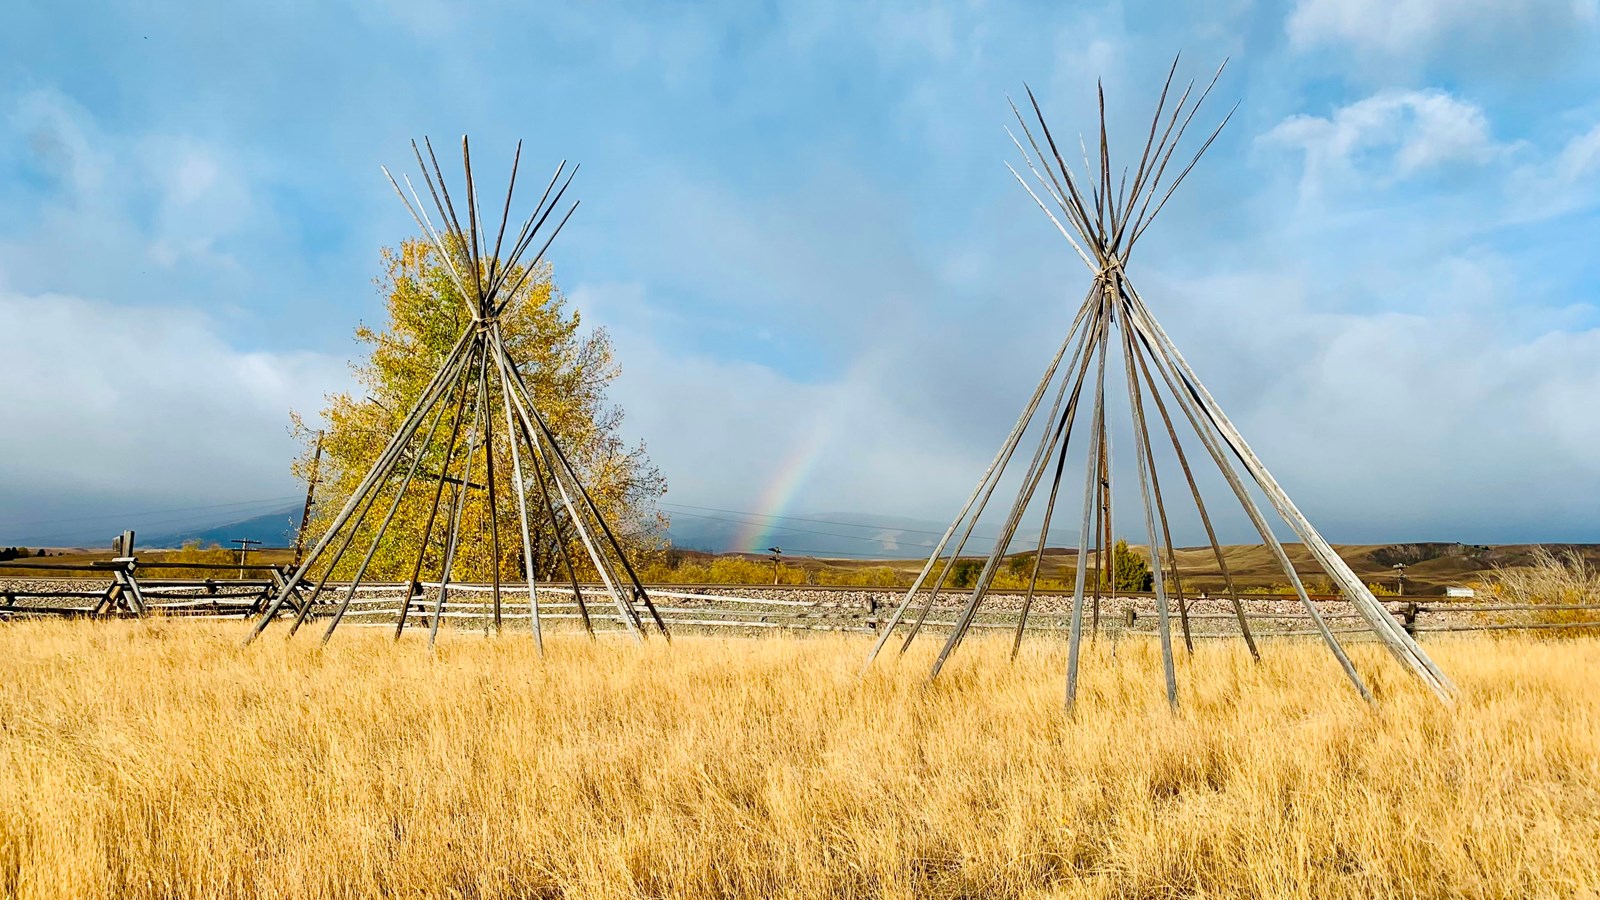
156	759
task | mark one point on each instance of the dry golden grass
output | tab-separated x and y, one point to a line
157	759
1559	585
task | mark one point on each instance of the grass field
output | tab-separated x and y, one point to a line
157	759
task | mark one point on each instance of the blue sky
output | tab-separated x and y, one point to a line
826	292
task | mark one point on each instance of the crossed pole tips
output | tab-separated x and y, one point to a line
476	376
1103	221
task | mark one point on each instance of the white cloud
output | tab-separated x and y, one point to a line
1382	425
199	198
145	404
121	394
1386	138
1445	422
61	141
1579	160
149	216
1556	183
1401	27
735	433
1422	422
853	217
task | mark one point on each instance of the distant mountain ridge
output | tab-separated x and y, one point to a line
842	534
847	535
864	536
273	529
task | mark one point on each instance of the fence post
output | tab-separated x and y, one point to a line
1130	615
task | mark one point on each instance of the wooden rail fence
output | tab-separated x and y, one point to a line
747	609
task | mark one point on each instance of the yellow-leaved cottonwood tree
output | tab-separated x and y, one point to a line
567	369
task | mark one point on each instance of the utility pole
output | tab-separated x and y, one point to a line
305	514
1400	579
777	558
244	548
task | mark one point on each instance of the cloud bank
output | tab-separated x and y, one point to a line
825	291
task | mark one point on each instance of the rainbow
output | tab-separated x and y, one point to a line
774	499
792	473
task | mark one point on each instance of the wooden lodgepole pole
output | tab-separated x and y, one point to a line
534	462
1143	434
1091	477
1049	510
1031	478
638	591
377	539
379	470
520	403
1205	517
1213	446
489	480
522	505
458	506
984	488
413	584
1141	446
1401	645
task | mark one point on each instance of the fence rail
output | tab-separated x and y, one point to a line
724	608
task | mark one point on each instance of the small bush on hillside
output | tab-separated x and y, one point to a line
1132	573
872	576
722	570
1315	585
194	552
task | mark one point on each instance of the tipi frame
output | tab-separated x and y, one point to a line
1102	223
543	475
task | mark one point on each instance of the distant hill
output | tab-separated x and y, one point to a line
856	539
274	529
1430	567
846	535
